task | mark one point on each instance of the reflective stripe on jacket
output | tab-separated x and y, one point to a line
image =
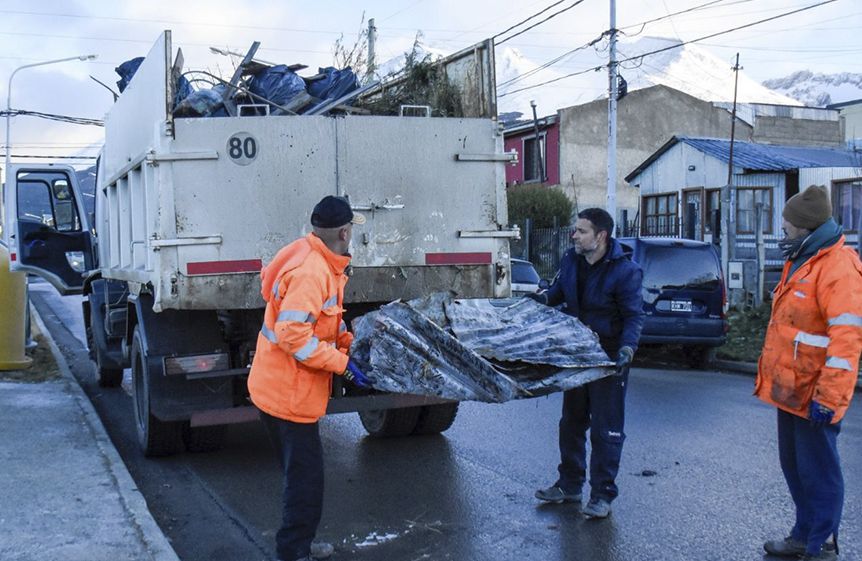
814	336
303	339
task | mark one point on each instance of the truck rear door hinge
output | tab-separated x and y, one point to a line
514	233
511	157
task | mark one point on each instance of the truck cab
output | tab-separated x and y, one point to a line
48	228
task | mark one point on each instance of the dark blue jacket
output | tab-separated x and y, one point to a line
612	305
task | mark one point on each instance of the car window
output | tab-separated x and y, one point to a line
677	267
524	273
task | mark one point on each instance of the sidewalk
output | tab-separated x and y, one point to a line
65	493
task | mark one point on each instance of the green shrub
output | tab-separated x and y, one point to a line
539	204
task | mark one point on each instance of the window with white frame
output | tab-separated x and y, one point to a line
535	159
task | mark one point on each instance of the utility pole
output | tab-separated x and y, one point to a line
539	165
728	230
612	115
372	41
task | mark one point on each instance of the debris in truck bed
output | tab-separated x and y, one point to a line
482	350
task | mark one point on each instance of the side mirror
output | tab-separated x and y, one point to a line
544	284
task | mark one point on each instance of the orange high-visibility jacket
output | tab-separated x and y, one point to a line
303	340
814	336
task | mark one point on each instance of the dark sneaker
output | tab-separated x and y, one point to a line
597	508
321	550
555	494
788	547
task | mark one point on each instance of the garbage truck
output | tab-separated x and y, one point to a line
187	210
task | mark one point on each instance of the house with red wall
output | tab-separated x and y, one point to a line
538	162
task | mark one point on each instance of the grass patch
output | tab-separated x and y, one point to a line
746	335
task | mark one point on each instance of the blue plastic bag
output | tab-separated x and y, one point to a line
336	84
277	84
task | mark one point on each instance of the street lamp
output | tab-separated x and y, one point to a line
9	100
27	340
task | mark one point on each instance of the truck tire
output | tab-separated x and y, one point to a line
204	439
156	438
434	419
387	423
105	377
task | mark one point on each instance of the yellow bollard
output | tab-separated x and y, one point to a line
12	302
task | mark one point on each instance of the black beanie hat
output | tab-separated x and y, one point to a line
808	209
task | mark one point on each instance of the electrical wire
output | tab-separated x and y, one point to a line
550	17
53	117
550	63
597	68
523	21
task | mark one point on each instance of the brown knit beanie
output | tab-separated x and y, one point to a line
808	209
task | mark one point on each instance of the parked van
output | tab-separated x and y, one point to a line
683	292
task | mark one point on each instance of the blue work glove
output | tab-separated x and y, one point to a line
820	415
540	297
356	376
624	359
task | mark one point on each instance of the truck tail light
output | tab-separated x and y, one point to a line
196	364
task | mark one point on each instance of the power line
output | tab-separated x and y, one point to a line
523	21
550	62
53	117
597	68
710	36
44	157
550	17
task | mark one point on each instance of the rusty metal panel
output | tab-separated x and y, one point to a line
472	71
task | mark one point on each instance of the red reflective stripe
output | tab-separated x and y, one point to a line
216	267
457	258
13	257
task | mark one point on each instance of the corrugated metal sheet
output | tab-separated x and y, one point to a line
771	157
484	350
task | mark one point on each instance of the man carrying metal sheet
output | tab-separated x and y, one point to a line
304	341
809	366
601	286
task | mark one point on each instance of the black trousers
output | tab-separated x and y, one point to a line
301	456
600	408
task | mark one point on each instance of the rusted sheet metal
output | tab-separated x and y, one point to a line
482	350
471	70
385	284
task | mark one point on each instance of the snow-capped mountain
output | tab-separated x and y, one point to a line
819	90
688	68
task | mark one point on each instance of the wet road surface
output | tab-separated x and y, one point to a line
699	478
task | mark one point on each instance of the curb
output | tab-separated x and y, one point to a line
154	540
751	368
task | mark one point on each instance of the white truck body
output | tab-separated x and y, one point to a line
178	214
188	210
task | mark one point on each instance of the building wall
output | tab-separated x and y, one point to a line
852	116
646	119
825	176
780	130
515	173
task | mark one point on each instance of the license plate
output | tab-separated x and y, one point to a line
680	306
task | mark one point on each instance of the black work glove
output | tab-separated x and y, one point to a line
624	359
540	297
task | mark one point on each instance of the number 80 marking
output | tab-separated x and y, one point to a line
242	148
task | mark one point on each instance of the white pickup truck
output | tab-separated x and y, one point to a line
188	209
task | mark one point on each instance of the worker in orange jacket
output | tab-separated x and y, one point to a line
302	343
809	366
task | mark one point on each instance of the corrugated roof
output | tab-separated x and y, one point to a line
773	157
761	157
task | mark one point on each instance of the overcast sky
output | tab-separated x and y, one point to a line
825	39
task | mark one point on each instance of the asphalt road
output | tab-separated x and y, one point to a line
699	480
